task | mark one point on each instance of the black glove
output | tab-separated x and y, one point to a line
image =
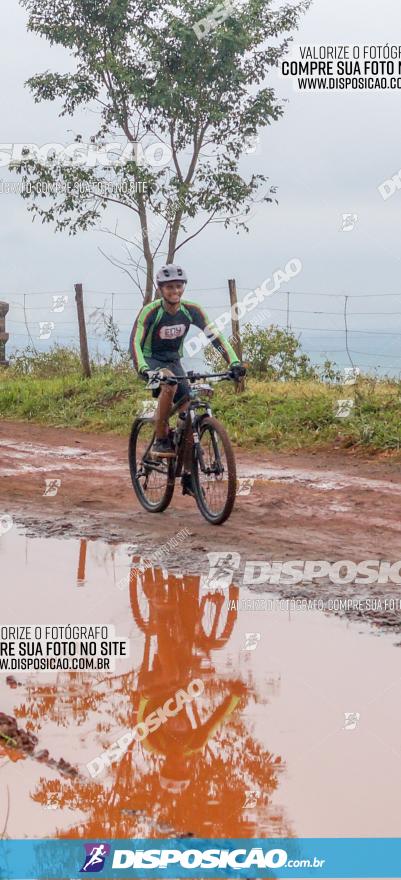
148	374
153	379
237	372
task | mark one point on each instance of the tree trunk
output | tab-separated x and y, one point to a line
146	251
149	281
172	242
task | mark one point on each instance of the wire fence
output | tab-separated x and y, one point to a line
349	329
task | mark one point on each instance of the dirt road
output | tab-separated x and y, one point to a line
324	506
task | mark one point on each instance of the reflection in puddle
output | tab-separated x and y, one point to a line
264	750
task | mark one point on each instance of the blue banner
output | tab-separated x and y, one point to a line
200	858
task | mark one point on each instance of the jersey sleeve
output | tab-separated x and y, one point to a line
212	332
206	731
138	336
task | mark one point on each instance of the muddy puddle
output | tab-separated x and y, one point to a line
22	458
328	481
295	731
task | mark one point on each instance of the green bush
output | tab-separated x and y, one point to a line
59	360
62	360
273	354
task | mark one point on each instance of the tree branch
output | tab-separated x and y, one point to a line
119	265
209	220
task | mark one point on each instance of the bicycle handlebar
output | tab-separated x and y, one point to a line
193	377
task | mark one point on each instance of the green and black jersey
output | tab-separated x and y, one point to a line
158	334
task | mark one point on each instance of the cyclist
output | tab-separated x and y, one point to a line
156	344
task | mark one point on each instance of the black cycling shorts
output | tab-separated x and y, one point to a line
175	366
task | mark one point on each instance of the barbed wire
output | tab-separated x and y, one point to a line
100	303
135	293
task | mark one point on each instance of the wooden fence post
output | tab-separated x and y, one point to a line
83	340
237	344
4	307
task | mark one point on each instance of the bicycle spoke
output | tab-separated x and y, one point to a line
151	476
214	480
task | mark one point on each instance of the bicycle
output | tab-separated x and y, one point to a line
210	622
201	444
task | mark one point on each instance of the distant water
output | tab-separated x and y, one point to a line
376	353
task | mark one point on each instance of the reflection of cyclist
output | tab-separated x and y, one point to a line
157	341
181	650
178	740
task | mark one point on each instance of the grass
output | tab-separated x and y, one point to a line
302	415
275	415
106	402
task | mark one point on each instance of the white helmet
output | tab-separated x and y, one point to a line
171	273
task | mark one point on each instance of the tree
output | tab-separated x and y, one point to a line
142	64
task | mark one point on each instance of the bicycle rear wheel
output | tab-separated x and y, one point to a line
214	472
153	480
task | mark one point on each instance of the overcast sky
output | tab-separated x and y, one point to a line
327	156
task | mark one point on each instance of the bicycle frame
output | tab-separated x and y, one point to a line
192	425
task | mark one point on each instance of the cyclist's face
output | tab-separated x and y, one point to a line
172	292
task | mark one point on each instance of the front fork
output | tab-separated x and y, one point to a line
197	444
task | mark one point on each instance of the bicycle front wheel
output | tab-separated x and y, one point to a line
153	480
214	472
